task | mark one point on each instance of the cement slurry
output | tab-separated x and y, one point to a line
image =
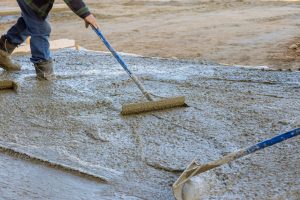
75	121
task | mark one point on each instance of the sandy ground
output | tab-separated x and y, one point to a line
75	121
241	32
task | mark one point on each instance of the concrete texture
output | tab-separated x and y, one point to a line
76	121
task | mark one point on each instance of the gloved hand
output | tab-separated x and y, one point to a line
91	20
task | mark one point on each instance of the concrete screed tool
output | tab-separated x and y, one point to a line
194	169
152	105
8	85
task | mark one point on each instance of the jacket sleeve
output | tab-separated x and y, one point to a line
78	7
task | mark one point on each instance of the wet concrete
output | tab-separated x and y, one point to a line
76	121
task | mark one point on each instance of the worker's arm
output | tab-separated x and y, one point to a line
80	9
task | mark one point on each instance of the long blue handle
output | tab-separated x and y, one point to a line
112	50
195	169
271	141
123	64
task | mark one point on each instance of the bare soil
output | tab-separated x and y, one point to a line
240	32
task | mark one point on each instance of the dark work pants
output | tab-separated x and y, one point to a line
30	24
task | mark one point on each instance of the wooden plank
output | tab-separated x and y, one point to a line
55	44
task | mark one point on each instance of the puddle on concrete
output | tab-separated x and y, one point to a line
76	120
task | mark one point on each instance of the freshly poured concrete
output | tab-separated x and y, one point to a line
76	121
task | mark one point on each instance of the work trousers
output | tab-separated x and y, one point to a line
30	24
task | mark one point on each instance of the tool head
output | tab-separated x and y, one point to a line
8	85
137	108
184	177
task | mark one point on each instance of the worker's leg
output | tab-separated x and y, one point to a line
8	42
39	29
18	33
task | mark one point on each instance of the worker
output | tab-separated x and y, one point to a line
34	22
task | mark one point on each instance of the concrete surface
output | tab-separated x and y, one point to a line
75	120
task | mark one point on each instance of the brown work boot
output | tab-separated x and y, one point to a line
44	70
6	49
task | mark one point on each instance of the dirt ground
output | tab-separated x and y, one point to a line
241	32
75	121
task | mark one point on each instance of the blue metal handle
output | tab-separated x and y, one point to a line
195	169
271	141
123	64
112	50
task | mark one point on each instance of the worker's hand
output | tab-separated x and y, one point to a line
91	20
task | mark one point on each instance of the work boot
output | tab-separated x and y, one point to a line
44	70
6	49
